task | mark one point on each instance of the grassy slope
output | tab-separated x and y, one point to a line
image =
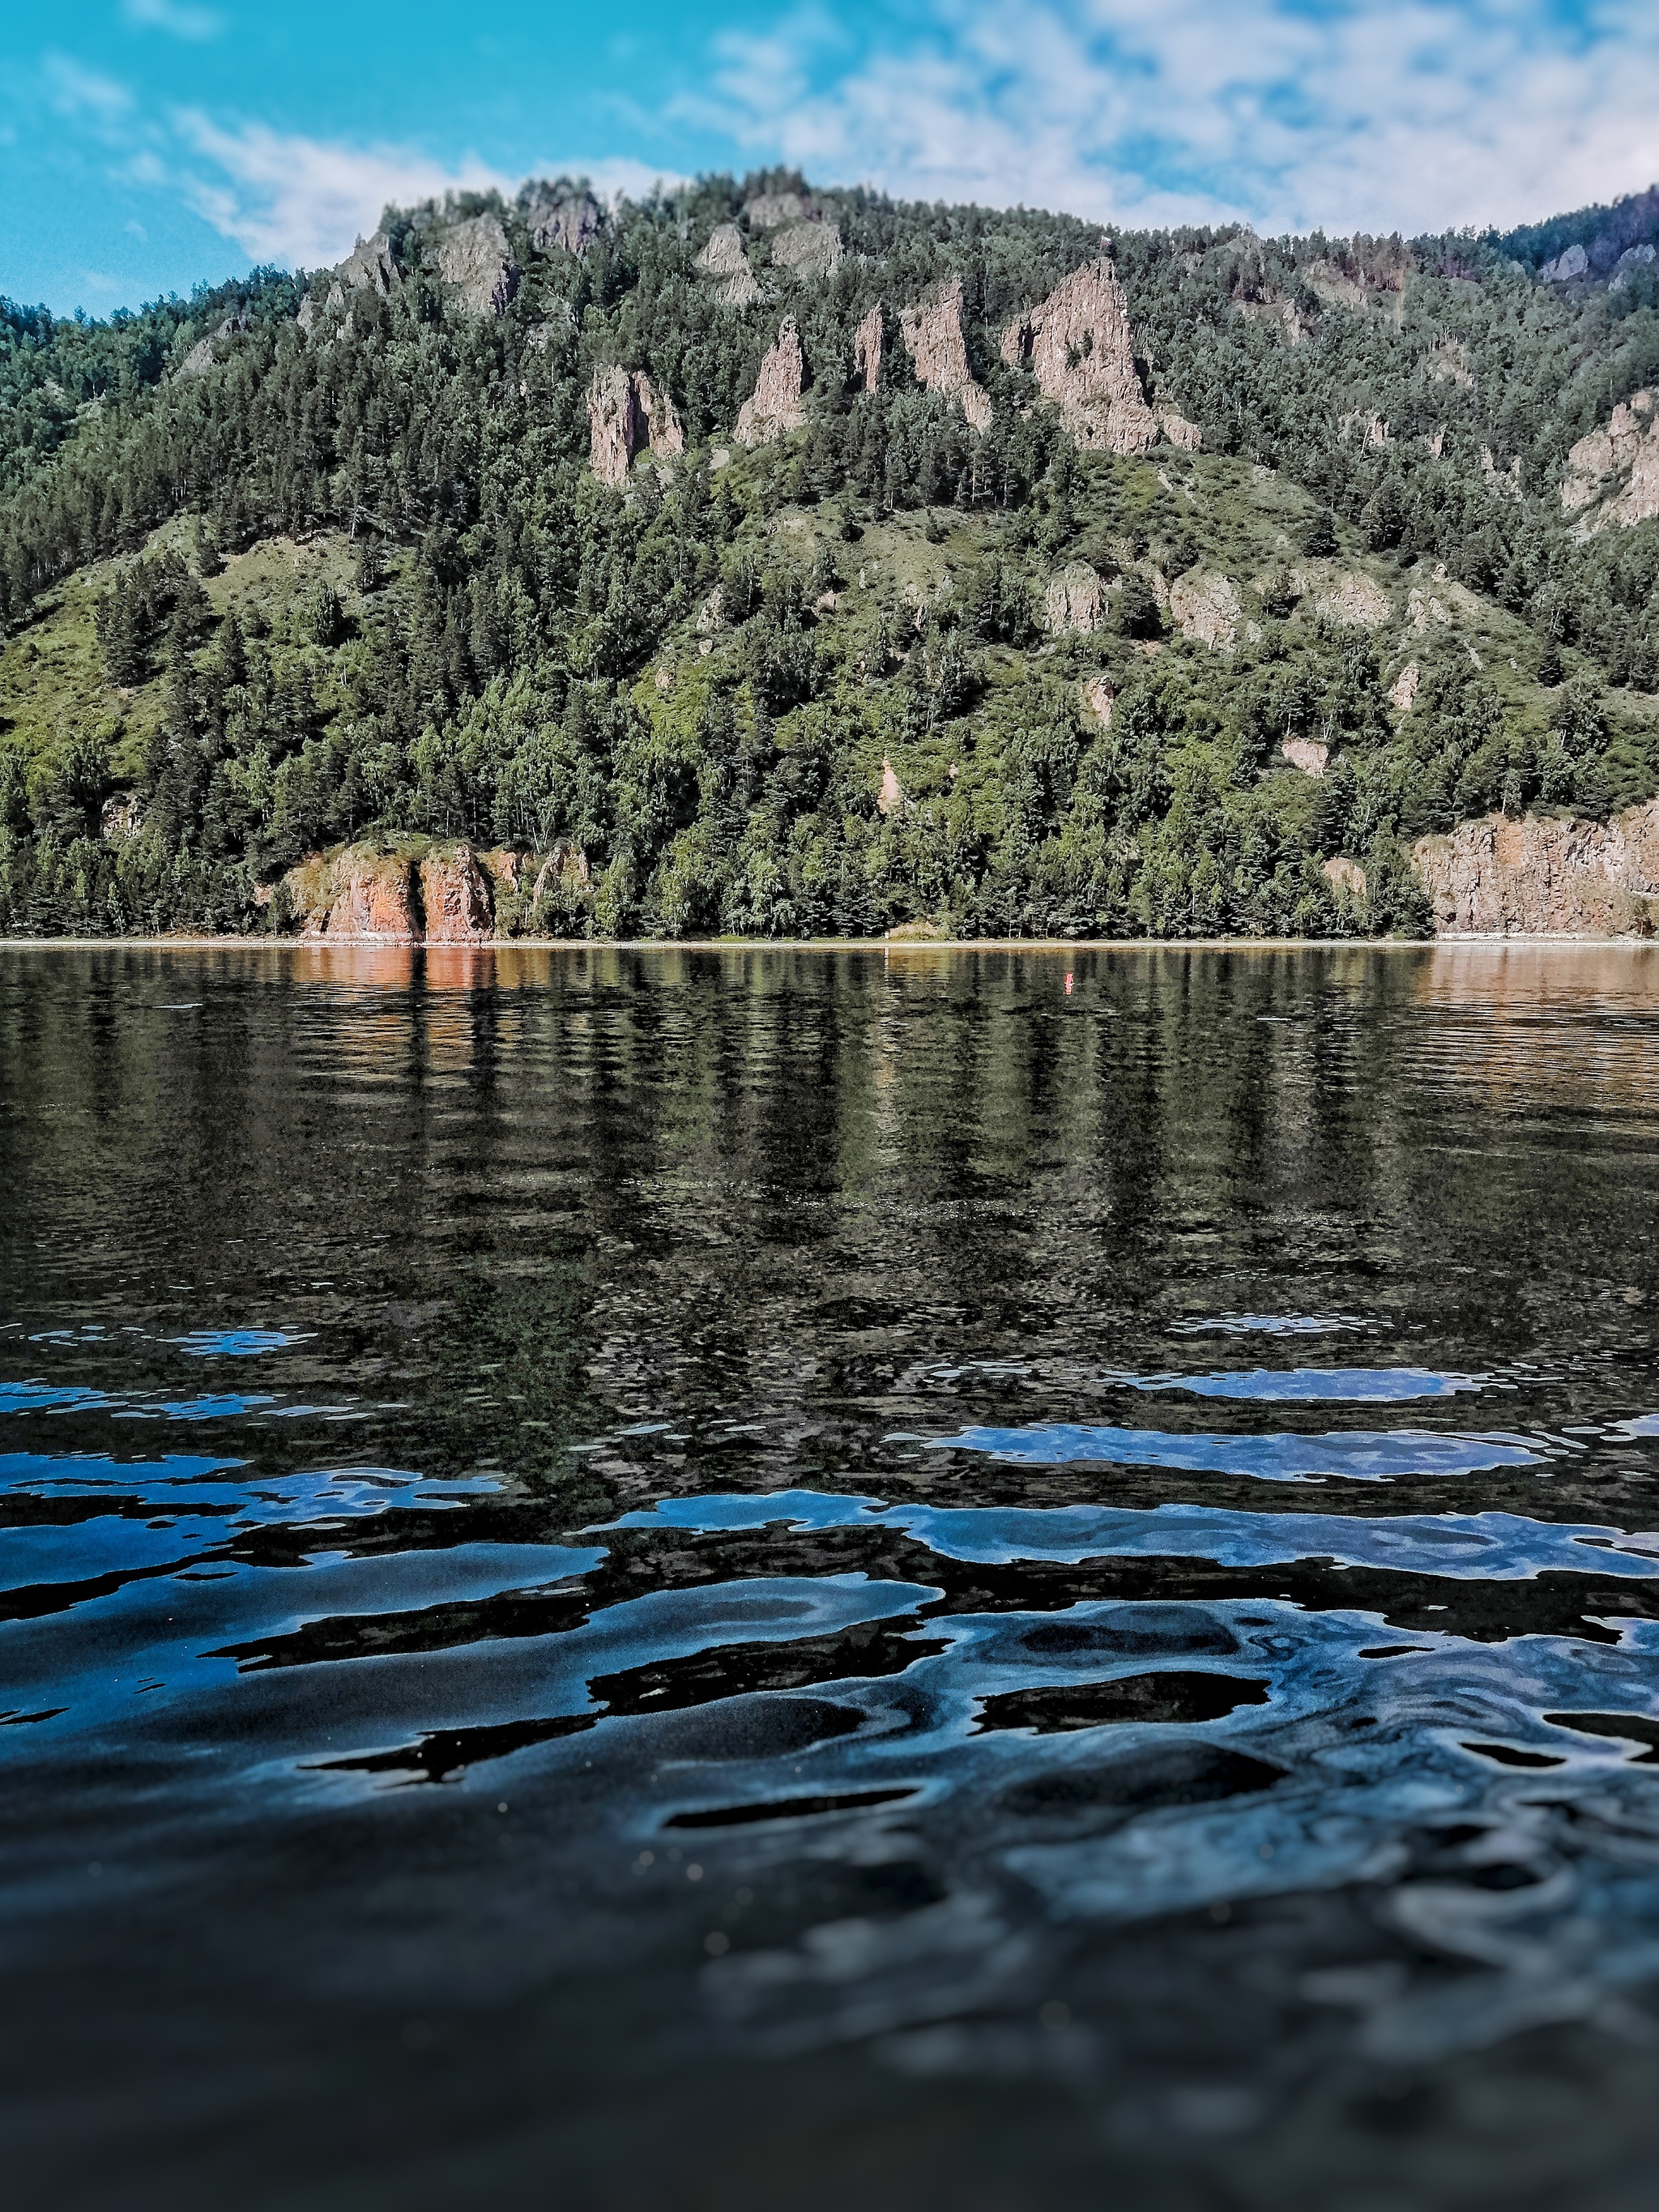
1240	520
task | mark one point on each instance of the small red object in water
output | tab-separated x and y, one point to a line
1069	984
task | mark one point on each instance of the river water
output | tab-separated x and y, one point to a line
736	1578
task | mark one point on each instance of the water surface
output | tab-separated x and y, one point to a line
722	1578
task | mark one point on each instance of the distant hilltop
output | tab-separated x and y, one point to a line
763	559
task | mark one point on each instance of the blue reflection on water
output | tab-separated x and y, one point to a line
1348	1384
1352	1455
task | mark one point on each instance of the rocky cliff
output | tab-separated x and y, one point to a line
626	413
775	408
1613	474
475	259
1077	345
932	332
1537	876
866	351
808	249
369	267
725	259
565	221
361	895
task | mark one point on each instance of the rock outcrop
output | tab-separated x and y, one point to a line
475	259
202	356
1307	754
1402	692
626	413
1207	606
809	249
775	407
724	259
938	352
1179	431
1079	347
1345	595
456	898
357	893
1575	262
1616	470
1075	602
1098	695
1538	876
772	210
561	222
369	267
360	894
866	351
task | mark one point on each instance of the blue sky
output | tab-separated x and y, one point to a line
146	145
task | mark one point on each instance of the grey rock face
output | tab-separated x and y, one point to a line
810	249
724	259
561	222
474	257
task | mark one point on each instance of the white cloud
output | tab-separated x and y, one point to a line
179	22
72	90
302	200
1415	114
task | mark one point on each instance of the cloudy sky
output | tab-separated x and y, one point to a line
146	145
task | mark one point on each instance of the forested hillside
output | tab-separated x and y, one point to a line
761	560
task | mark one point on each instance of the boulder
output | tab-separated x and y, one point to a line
474	259
724	259
1098	695
1402	693
1077	345
938	352
1179	431
866	351
1307	754
1344	875
775	407
1498	876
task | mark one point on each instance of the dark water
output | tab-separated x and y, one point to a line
754	1579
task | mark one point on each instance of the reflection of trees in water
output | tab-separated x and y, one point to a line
534	1195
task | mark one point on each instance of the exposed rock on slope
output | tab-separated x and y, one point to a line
775	409
561	222
476	258
810	249
1179	431
1076	601
771	210
1537	876
356	893
724	259
1619	467
625	414
369	267
866	351
455	896
361	895
932	332
1078	346
1206	607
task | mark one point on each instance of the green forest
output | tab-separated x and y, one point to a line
314	561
